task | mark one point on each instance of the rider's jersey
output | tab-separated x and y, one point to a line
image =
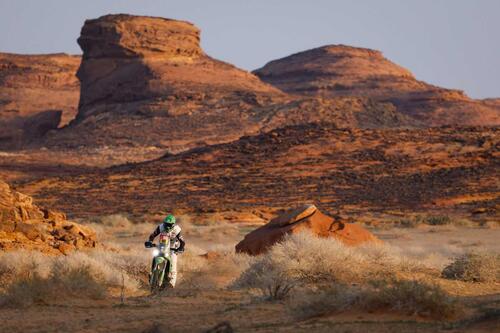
172	234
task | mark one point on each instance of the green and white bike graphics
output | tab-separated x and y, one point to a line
161	269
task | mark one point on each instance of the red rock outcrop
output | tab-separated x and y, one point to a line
24	225
145	81
37	93
304	218
338	70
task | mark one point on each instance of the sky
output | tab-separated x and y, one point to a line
449	43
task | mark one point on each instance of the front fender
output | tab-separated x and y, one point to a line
159	260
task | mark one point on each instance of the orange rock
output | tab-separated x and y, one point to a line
65	248
31	231
305	218
25	225
53	215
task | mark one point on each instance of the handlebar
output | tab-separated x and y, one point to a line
153	245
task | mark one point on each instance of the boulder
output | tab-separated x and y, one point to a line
31	231
304	218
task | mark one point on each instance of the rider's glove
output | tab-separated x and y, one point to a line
148	244
179	251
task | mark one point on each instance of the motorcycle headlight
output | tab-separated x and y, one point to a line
156	252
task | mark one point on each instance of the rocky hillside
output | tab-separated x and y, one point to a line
24	225
338	70
356	171
37	93
146	82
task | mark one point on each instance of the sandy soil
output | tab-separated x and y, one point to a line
194	310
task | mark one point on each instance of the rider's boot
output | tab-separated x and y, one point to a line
172	278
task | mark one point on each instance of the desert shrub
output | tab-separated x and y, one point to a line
412	297
335	298
408	223
402	296
474	267
63	282
304	259
18	264
435	220
81	280
27	290
438	220
264	274
110	266
82	274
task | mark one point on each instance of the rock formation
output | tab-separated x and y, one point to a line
37	93
24	225
146	81
146	84
304	218
338	70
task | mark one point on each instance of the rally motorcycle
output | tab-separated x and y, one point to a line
159	277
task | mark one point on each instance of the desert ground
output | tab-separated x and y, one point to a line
206	294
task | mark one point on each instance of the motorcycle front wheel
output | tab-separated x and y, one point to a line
155	280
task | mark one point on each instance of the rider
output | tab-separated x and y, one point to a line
173	231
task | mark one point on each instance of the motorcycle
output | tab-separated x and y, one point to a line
161	268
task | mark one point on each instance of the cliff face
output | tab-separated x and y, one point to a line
339	70
37	93
146	81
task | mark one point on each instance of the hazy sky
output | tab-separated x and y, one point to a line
451	43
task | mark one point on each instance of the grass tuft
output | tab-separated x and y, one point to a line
474	267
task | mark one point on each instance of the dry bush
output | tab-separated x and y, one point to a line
18	264
412	298
438	220
401	296
332	299
63	282
82	274
304	259
474	267
434	220
111	266
408	223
